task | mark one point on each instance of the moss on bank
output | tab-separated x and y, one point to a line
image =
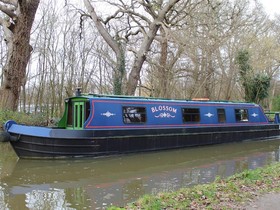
231	193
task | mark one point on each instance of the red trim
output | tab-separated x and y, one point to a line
178	126
167	103
92	114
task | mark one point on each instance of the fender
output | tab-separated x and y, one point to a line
5	136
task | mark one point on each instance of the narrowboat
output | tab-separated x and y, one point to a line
96	125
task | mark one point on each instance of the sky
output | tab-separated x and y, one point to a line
271	6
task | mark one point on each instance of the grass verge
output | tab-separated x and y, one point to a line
231	193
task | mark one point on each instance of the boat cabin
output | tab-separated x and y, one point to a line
123	112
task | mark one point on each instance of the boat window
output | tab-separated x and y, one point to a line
191	115
133	114
221	115
241	115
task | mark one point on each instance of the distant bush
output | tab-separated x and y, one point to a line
276	104
23	118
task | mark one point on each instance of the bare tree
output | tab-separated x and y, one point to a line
190	52
136	22
16	23
114	43
140	56
64	58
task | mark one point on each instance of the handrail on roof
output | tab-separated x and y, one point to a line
127	96
154	98
147	98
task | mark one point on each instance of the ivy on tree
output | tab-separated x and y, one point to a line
256	86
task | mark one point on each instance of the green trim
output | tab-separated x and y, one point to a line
63	121
76	114
79	115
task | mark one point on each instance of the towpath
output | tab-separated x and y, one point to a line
269	201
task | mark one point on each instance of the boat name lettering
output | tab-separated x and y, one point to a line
163	108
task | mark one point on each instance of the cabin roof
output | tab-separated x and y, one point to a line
141	98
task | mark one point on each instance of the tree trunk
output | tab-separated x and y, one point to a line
115	45
134	75
163	68
19	51
119	72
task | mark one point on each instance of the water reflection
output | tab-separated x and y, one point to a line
97	183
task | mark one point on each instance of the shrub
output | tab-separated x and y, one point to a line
23	118
276	104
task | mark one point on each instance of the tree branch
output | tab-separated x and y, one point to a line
11	2
148	7
100	27
8	11
2	21
112	16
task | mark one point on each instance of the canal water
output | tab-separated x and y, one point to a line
98	183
